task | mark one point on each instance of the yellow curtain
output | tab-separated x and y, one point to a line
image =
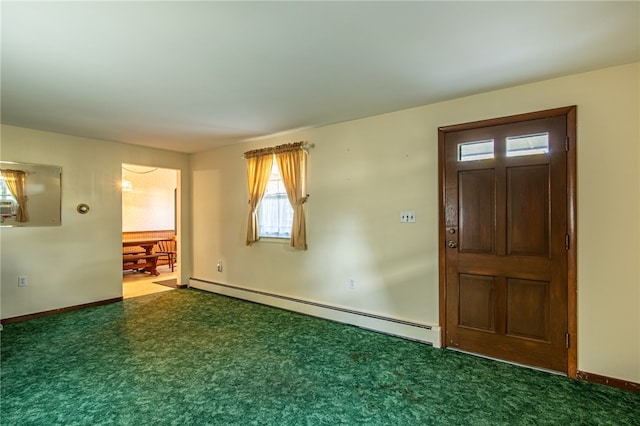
16	182
292	163
258	172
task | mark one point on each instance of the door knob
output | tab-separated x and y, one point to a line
452	244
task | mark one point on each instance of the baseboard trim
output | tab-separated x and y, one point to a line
58	311
424	333
609	381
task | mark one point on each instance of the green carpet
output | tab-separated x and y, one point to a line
186	357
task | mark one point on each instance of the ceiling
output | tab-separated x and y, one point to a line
192	76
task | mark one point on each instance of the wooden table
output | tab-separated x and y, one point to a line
147	245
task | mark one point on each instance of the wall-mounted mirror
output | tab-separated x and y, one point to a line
30	194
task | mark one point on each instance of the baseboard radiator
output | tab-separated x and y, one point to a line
429	334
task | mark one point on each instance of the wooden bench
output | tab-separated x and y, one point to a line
164	259
146	262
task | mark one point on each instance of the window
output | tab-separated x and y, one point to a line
8	204
271	186
275	214
528	145
516	146
476	150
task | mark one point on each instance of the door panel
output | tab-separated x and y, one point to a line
528	210
522	321
505	222
476	209
477	302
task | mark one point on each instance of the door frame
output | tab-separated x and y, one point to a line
572	259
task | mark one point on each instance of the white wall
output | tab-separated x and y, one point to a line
363	173
80	261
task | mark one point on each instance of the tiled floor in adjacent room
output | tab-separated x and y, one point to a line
136	284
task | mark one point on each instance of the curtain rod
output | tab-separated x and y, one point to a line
306	146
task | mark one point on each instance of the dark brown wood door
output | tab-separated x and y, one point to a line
505	227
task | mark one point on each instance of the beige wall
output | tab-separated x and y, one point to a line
80	261
149	205
363	173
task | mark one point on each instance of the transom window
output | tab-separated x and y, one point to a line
476	150
516	146
275	214
528	145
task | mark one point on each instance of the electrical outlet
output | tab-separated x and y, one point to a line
23	280
220	266
408	217
352	284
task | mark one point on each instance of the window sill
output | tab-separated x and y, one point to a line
276	240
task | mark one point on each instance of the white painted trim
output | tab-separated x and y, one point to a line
425	333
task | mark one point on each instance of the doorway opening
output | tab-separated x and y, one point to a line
150	229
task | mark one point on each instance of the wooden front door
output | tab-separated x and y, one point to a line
505	235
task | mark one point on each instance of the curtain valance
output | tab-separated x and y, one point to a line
295	146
